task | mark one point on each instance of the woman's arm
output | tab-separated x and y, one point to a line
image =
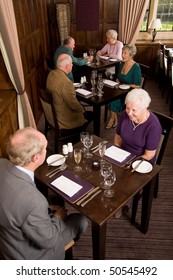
117	140
148	155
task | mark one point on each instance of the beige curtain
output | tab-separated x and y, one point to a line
11	54
131	15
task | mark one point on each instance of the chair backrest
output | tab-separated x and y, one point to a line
161	55
167	62
46	102
166	123
144	73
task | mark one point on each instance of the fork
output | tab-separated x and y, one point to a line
56	169
62	168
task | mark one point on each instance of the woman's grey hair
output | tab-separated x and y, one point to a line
139	95
63	61
132	49
112	34
27	145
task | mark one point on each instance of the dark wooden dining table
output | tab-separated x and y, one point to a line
100	209
109	94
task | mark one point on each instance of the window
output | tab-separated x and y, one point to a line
165	13
162	9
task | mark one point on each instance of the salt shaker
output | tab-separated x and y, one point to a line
64	149
70	147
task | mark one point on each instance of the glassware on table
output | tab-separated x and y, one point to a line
102	150
82	136
109	181
85	54
77	157
92	52
88	141
100	86
93	84
94	74
106	169
97	60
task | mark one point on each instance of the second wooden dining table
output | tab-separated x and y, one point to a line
109	94
127	185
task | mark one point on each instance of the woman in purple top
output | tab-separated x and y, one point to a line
138	130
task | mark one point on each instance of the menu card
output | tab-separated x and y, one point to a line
110	83
70	186
84	92
116	153
104	57
66	185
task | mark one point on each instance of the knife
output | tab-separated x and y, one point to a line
96	148
88	194
134	169
84	203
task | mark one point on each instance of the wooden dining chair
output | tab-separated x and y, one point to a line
51	122
166	123
161	65
167	73
171	90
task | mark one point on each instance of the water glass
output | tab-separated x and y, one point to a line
88	141
106	169
109	181
82	136
102	150
100	86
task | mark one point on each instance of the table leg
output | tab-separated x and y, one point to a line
98	241
147	198
96	122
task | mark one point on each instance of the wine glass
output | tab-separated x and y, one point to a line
93	84
88	141
102	150
77	157
106	169
109	181
82	136
100	86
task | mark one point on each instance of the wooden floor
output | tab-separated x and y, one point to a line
125	241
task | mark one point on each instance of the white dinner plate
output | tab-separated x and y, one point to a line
144	167
113	59
60	160
76	85
124	86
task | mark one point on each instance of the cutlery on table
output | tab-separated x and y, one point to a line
52	171
56	160
134	169
129	163
84	203
87	195
94	149
60	169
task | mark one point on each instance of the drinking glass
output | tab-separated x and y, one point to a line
88	141
100	86
82	136
93	84
106	169
77	157
94	74
102	150
109	181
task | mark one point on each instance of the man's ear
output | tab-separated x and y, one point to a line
35	157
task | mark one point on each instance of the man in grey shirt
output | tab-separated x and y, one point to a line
26	229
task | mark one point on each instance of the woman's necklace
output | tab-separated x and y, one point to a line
142	120
135	126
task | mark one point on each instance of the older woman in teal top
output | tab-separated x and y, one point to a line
129	73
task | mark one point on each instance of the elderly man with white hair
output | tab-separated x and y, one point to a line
138	130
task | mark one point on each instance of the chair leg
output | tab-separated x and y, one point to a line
134	207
